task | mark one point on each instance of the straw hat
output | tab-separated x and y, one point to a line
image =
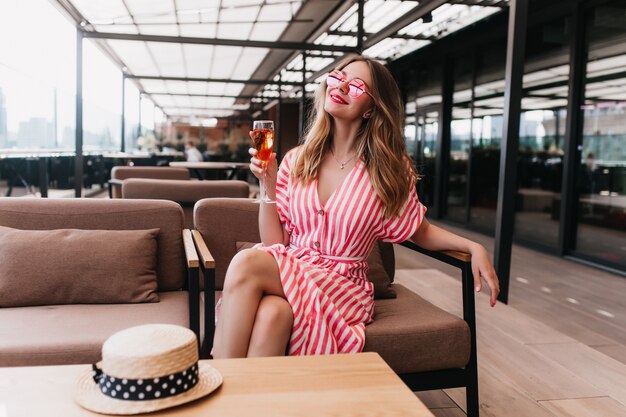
146	368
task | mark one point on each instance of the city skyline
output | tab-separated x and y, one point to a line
4	130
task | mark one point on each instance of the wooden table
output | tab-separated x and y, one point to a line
233	167
126	157
319	386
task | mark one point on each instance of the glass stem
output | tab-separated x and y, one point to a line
264	194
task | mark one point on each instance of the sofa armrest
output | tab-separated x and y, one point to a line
463	261
192	264
191	256
450	257
208	265
207	259
461	256
114	182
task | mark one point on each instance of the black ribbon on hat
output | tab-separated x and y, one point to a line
147	388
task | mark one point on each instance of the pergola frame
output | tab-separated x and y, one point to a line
512	96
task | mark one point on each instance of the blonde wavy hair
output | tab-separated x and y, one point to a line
379	140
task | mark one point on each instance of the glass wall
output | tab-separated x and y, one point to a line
428	105
410	132
478	84
460	139
37	73
427	130
132	130
601	210
102	100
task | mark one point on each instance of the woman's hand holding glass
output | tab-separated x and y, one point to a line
265	171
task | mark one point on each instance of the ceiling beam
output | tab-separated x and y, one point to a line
202	109
485	3
155	94
396	36
211	80
296	46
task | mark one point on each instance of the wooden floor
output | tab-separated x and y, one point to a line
557	350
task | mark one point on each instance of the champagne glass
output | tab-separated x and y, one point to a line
263	138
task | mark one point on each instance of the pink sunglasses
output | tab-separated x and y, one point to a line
356	86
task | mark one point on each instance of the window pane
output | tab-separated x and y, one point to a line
487	128
601	231
542	129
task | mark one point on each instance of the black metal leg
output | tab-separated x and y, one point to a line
10	179
43	177
209	312
199	174
194	301
471	395
471	389
101	168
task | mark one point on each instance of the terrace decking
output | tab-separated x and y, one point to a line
557	350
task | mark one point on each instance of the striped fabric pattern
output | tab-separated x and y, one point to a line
324	269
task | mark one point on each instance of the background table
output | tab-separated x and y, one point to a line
233	167
331	385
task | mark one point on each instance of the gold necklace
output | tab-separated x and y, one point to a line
342	165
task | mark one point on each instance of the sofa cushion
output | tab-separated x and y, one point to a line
107	214
69	334
412	335
377	272
73	266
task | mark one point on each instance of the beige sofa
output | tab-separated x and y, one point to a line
185	193
429	348
65	294
120	173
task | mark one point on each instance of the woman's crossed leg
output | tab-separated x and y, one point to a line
255	318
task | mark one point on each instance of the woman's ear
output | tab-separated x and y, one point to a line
368	114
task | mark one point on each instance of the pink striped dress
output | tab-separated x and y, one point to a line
324	269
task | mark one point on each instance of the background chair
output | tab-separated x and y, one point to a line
185	193
427	347
74	333
120	173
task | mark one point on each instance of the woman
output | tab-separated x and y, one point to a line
304	290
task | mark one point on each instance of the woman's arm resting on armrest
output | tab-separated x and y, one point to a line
434	238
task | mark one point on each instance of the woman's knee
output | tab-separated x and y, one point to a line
273	313
241	270
252	268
